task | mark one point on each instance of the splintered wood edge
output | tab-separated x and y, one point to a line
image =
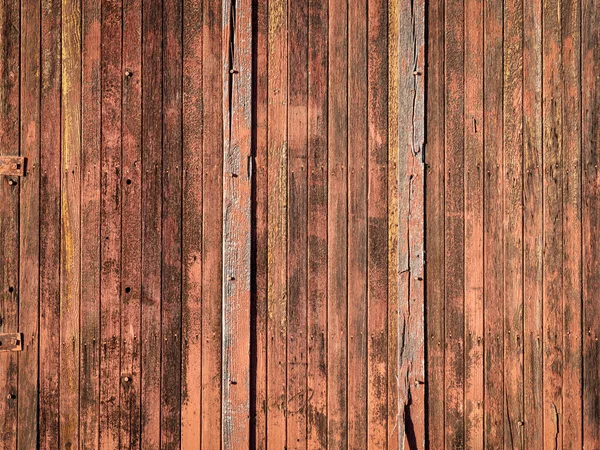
11	342
12	166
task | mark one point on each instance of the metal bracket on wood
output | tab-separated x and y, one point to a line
11	342
12	166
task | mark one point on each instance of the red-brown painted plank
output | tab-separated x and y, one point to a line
435	224
359	335
337	215
10	28
532	224
131	223
89	389
297	393
70	237
191	300
277	217
49	308
212	227
493	226
473	181
377	226
29	225
317	224
151	221
170	411
111	225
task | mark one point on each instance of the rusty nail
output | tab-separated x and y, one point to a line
126	379
11	182
416	72
233	71
128	73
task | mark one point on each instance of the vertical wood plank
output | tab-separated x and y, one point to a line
337	214
297	219
553	225
170	388
29	225
377	94
454	224
359	335
277	218
237	179
212	249
571	198
70	267
473	181
151	221
317	223
590	62
435	225
532	223
260	211
50	228
131	223
493	226
513	222
111	224
91	104
10	29
193	128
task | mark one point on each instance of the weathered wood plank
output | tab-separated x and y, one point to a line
493	226
473	182
454	224
111	225
170	388
10	29
191	300
297	220
317	224
29	217
532	224
377	231
590	101
435	224
359	335
237	186
553	225
337	245
70	256
260	211
571	198
50	225
131	223
277	219
512	173
151	221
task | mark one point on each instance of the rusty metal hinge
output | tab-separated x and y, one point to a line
11	342
12	166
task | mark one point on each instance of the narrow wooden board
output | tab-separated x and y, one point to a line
297	267
337	245
151	222
191	301
359	334
29	216
50	228
317	224
237	188
131	226
70	236
277	218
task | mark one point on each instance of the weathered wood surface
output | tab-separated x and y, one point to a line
511	282
215	235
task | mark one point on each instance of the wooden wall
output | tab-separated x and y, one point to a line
218	241
513	257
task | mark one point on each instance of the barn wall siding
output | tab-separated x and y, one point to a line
218	238
511	208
